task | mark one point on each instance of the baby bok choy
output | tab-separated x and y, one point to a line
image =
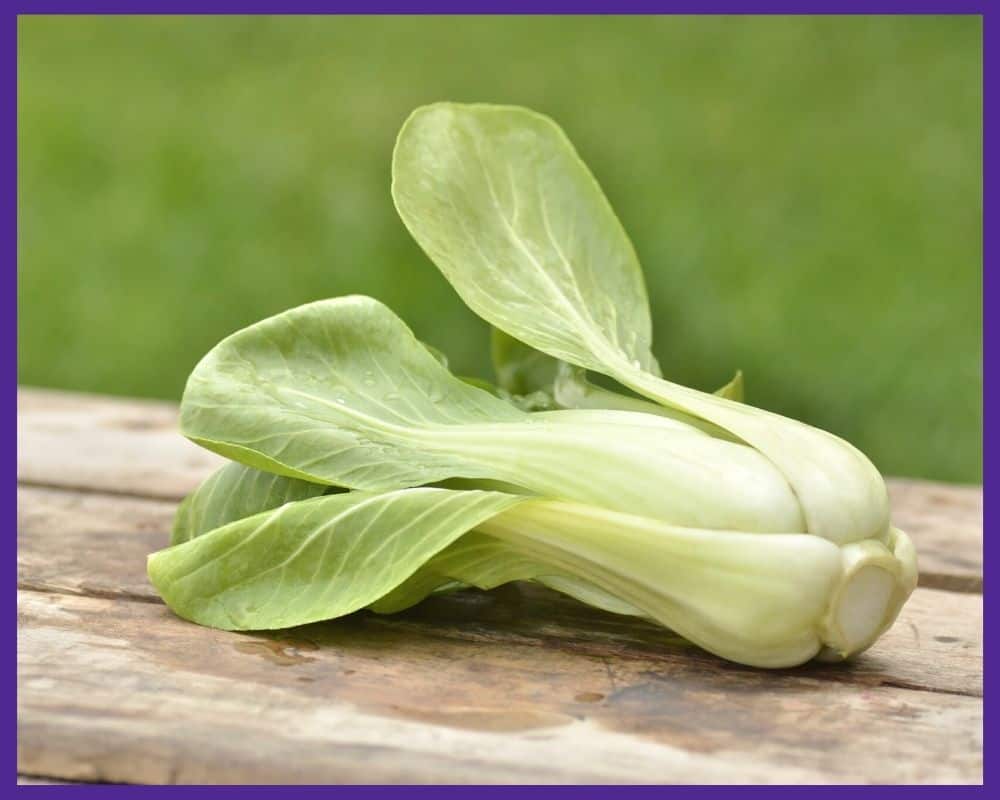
365	475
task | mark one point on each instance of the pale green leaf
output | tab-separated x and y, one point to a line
503	205
333	392
734	389
314	559
485	562
233	492
340	392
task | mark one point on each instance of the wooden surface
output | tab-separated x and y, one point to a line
516	685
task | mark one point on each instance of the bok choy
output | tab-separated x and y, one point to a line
364	474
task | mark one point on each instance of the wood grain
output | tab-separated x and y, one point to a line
117	690
946	523
106	444
132	447
87	543
81	543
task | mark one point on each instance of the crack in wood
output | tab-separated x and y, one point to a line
966	584
917	687
84	591
64	486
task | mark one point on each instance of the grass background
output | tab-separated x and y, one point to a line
804	193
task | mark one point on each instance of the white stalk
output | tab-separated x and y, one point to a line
767	600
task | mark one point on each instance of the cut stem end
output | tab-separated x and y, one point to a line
876	582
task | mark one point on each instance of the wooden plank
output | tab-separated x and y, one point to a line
83	543
106	444
514	685
946	523
32	780
123	691
86	543
126	446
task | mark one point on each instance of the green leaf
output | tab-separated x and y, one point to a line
314	559
340	392
485	562
332	392
234	492
734	389
440	357
499	200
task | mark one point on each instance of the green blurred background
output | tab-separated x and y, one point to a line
804	193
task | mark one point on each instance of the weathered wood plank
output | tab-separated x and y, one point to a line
83	543
123	691
126	446
97	443
946	523
33	780
87	543
514	685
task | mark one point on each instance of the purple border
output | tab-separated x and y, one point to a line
509	7
10	352
990	98
479	792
